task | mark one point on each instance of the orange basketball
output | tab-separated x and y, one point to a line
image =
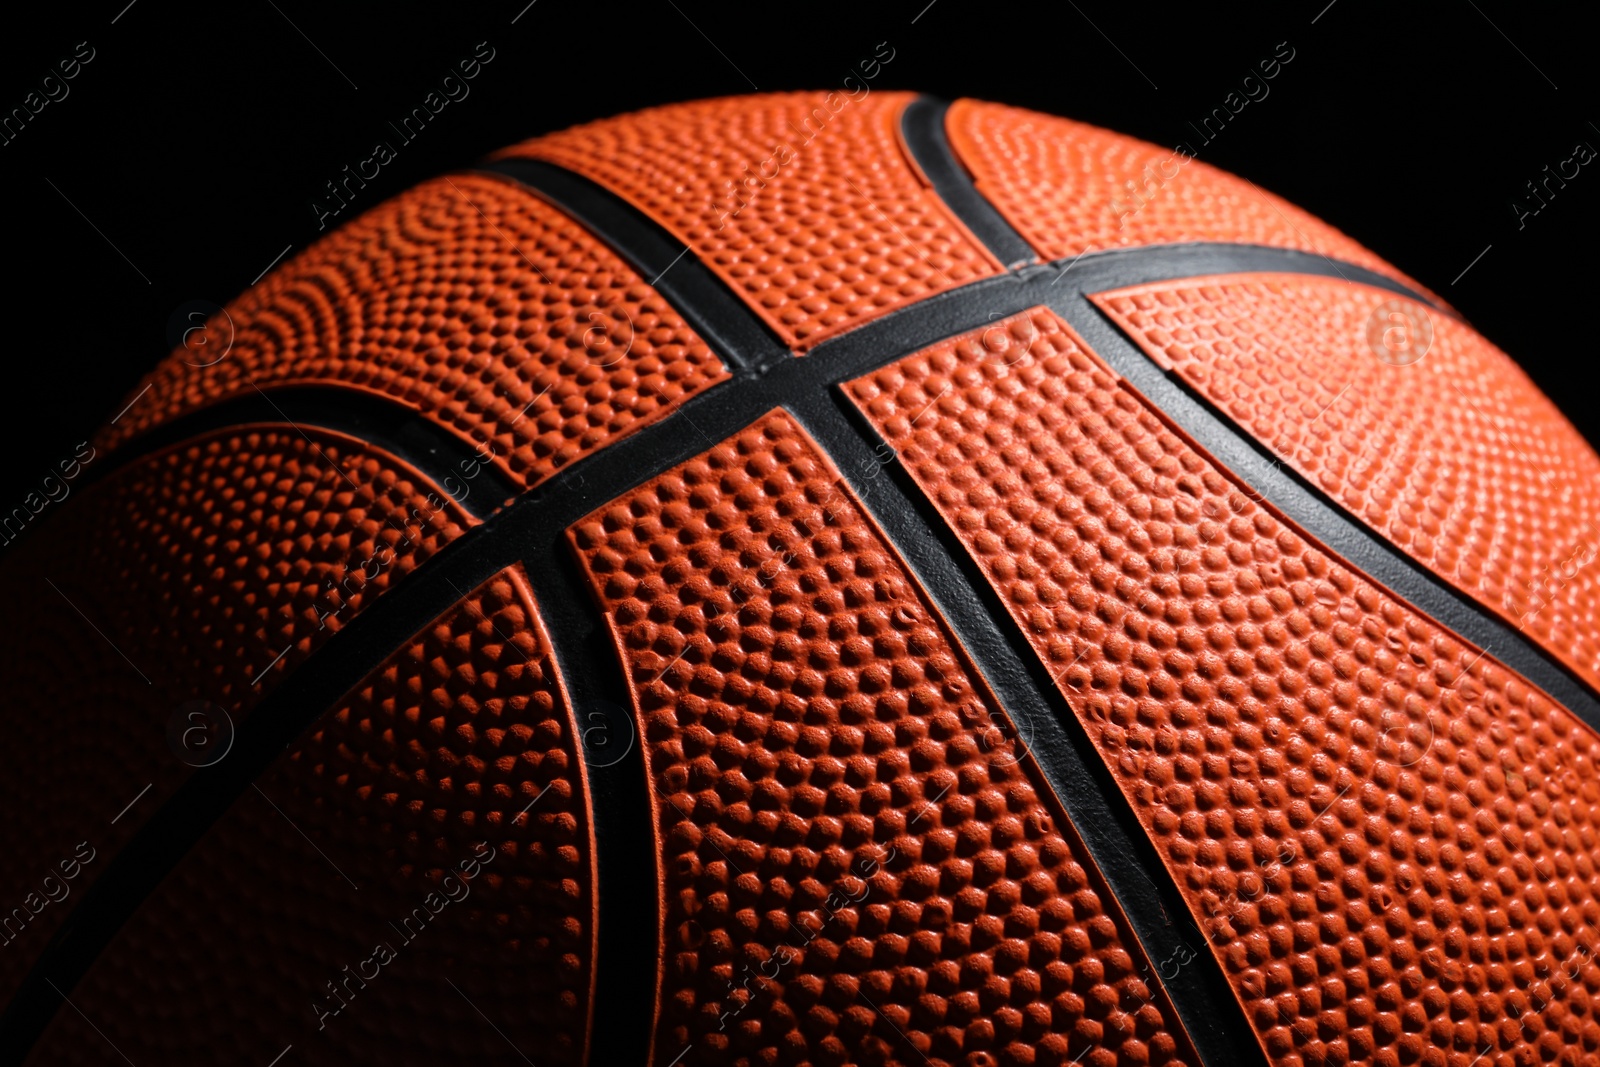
814	579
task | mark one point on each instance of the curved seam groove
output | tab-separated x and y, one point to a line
923	133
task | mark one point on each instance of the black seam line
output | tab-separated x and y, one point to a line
459	470
537	521
922	127
416	438
1311	509
612	750
626	876
711	308
1305	504
465	473
700	422
171	832
1119	847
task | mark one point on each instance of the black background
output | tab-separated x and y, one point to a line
196	141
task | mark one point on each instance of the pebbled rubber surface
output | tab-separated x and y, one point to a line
1071	188
810	211
1456	458
860	861
205	572
471	301
1388	839
409	789
1386	834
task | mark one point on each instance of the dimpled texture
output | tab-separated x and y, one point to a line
861	865
1387	838
1071	188
806	204
204	572
411	785
473	302
1456	458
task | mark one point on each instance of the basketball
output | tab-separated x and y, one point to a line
811	578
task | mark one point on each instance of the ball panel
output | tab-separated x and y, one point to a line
411	786
1071	188
862	864
215	568
811	212
471	301
1412	421
1386	837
